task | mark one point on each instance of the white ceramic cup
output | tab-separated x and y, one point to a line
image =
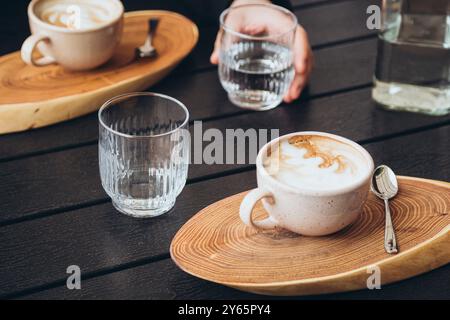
73	49
307	212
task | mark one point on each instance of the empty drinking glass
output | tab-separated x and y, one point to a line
143	152
256	54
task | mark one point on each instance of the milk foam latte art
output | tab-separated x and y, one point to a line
315	163
76	15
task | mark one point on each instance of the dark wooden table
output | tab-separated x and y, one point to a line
54	212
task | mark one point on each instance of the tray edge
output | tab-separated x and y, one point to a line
432	254
79	101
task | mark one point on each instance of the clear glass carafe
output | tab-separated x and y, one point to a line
413	63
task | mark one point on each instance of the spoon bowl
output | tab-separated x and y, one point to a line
384	182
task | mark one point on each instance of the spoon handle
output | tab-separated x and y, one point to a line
390	244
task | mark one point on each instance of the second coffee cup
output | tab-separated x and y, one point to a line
311	183
78	35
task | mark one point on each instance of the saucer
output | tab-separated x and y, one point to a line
33	97
215	245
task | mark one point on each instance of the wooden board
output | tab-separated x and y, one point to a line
216	246
32	97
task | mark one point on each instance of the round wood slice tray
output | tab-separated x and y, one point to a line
215	245
32	97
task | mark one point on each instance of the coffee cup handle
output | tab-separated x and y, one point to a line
247	205
28	48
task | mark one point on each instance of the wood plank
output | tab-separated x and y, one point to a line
198	60
331	23
13	25
107	237
301	3
67	179
97	238
14	21
331	64
336	21
164	280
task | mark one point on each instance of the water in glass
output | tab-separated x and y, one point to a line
256	54
413	62
256	74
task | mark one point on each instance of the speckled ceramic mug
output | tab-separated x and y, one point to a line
305	211
83	47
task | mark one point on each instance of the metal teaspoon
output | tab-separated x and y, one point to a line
147	50
384	186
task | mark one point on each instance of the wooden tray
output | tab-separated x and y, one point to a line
215	245
32	97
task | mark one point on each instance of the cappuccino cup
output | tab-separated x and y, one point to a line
310	183
76	34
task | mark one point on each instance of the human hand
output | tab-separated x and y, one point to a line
255	23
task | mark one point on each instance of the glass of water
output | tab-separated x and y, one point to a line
256	54
143	152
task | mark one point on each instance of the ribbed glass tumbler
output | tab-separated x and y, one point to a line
143	152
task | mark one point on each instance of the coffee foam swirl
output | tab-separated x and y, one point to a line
315	162
313	151
75	15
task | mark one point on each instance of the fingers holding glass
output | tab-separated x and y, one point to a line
303	62
255	53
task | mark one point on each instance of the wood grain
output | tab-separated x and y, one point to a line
115	250
99	238
68	178
341	21
297	3
215	245
210	102
34	97
336	21
164	280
